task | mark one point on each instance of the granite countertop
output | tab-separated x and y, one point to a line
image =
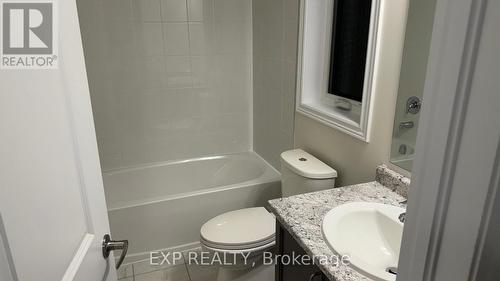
302	216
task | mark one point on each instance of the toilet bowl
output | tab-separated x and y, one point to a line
239	239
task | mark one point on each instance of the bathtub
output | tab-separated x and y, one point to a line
163	205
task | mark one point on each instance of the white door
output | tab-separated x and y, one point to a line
52	206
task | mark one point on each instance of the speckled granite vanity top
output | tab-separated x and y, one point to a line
302	215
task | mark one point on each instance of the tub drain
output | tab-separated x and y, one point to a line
392	270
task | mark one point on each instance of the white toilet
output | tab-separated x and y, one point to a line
250	232
302	173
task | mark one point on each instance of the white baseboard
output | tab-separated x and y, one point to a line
139	257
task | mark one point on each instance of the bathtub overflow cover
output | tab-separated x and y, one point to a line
302	159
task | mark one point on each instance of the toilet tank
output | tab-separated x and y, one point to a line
301	173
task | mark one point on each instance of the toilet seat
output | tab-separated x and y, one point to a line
266	243
240	251
248	229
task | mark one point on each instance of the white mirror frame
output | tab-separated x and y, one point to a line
316	18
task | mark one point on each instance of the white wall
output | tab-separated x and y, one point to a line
7	270
355	160
169	79
275	26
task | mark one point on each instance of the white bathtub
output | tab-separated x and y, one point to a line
163	206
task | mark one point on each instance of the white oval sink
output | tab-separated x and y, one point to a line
369	233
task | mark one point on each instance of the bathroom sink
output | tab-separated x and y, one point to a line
369	233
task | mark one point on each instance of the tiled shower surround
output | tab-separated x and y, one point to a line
169	79
275	31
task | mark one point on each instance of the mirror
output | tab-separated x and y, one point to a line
411	83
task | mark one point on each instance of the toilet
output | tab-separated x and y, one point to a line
241	237
302	173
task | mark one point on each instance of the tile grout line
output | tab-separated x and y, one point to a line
185	266
189	43
133	272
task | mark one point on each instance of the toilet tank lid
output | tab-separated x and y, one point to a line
306	165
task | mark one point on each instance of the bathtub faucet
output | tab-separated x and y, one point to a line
406	125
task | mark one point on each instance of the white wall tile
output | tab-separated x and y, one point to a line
231	71
118	38
178	72
118	10
201	72
233	37
160	89
275	29
273	32
152	72
179	80
150	39
174	10
291	23
200	38
208	101
200	10
176	39
230	10
288	97
147	10
178	64
159	105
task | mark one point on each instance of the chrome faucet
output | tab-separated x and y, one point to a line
413	105
402	216
402	149
406	125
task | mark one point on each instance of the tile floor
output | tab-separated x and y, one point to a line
181	271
